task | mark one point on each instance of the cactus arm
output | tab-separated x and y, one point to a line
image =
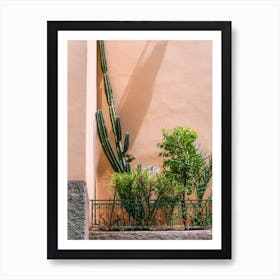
126	142
106	151
121	156
106	145
108	90
113	118
102	56
128	168
118	129
102	133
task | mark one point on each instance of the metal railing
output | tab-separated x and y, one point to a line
150	214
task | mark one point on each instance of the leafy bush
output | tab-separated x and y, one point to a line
166	188
186	170
133	186
142	194
135	191
184	162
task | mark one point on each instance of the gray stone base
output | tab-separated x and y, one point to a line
78	210
152	235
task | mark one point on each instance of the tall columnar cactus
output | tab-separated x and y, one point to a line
119	162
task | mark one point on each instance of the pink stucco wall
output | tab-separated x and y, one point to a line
81	110
156	84
77	85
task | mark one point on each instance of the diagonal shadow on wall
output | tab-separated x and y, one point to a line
140	88
138	94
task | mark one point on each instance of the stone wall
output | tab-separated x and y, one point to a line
78	210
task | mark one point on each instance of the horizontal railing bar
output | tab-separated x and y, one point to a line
110	214
112	201
150	199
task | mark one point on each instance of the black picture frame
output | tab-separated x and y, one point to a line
53	27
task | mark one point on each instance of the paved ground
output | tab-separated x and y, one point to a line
152	235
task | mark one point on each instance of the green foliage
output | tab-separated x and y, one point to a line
183	161
142	194
134	186
185	170
118	158
138	185
201	213
135	191
166	188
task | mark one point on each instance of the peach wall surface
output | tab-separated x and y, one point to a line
81	111
156	85
90	118
77	85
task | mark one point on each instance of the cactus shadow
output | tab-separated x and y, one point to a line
134	105
138	94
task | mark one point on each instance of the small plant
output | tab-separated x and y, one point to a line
201	214
185	163
168	193
135	190
202	175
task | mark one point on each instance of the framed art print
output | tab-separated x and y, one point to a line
139	140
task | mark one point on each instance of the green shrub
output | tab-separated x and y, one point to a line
166	188
135	191
134	186
184	162
142	195
186	170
